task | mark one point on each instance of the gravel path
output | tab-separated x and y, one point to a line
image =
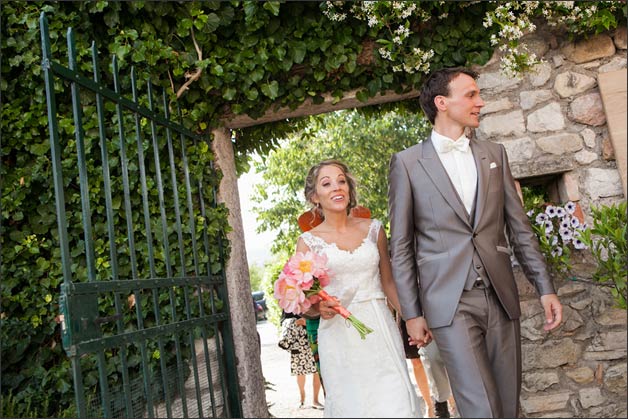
283	392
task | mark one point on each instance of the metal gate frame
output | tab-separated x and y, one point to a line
94	327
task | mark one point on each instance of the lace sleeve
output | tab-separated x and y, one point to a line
374	230
314	243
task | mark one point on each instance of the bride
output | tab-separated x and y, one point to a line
362	378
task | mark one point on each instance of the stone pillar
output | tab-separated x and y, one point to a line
613	92
247	350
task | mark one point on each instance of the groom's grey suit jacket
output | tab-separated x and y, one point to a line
433	238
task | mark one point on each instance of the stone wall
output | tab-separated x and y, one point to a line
553	125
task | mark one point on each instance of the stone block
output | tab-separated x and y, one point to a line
497	82
602	183
548	118
617	63
560	144
570	84
558	60
544	165
571	319
609	341
550	354
568	187
541	73
585	157
581	375
536	44
529	99
608	153
598	46
520	149
607	410
605	355
546	403
496	106
588	110
612	317
539	381
615	378
501	125
570	289
590	397
580	304
588	135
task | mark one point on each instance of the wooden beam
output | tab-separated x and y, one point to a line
349	101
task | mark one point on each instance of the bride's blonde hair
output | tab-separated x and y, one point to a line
312	176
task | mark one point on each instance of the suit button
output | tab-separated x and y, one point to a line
475	235
478	267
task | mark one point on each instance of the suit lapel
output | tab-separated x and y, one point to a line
484	172
428	158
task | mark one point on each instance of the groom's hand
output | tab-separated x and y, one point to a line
418	332
553	311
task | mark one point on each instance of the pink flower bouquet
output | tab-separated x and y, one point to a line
304	276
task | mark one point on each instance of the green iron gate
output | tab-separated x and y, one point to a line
143	300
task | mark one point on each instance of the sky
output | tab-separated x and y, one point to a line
257	245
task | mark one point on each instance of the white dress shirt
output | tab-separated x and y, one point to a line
458	160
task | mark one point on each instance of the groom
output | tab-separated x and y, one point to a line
451	202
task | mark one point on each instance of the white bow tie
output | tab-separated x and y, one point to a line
462	145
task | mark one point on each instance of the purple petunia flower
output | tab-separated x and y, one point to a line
560	212
551	211
565	222
549	227
570	207
575	222
541	218
530	213
565	234
557	251
578	244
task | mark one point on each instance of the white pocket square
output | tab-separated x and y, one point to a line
492	165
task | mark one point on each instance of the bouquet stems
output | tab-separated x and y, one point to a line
362	329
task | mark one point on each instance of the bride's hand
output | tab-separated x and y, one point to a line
326	308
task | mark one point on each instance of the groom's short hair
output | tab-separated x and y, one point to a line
437	84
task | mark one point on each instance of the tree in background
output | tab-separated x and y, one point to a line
256	272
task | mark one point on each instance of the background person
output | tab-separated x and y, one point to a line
294	339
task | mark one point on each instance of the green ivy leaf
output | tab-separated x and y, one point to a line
229	93
270	89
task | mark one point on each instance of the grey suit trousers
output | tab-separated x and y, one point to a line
480	348
436	372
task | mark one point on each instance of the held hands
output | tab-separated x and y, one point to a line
553	311
418	332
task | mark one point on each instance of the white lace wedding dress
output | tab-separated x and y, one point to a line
362	378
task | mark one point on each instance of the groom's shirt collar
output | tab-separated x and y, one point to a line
443	143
